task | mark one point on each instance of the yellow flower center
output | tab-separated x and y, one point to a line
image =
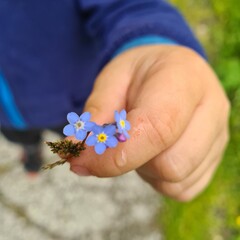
102	137
122	123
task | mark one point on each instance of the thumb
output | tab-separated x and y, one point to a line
109	91
108	94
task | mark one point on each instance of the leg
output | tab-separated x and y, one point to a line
31	143
58	130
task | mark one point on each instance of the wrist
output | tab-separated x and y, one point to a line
144	41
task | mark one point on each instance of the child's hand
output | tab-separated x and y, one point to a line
179	117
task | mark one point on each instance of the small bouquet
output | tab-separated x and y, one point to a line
89	134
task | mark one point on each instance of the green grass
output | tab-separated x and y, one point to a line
214	213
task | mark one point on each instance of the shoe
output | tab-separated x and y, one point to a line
32	158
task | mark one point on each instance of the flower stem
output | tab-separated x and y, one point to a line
84	140
52	165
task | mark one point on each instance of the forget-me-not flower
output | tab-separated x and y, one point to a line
103	137
78	125
122	124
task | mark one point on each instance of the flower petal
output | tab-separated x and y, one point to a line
72	117
81	134
125	133
111	142
85	117
123	114
89	126
119	128
91	140
69	130
116	116
110	130
127	125
100	148
97	129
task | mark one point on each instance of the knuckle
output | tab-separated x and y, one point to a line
223	122
174	191
183	197
226	137
225	110
169	189
174	167
228	106
161	129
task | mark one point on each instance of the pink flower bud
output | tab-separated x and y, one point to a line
120	137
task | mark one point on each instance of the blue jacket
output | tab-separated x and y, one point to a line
52	50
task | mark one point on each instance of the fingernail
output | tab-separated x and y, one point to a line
80	171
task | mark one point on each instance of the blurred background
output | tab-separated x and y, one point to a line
215	215
58	205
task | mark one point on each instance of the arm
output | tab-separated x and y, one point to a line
113	24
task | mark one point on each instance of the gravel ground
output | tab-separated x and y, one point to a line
59	205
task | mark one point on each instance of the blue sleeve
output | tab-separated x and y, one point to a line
115	23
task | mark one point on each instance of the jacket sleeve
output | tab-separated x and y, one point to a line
118	23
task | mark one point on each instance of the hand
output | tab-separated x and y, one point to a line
179	117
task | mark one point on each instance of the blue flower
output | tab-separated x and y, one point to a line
103	137
78	125
122	124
